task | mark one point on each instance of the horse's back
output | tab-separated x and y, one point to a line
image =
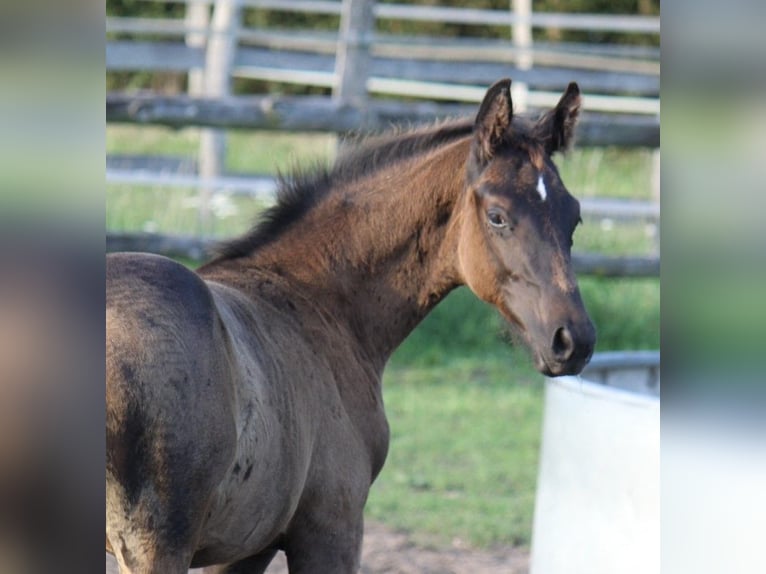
170	423
161	325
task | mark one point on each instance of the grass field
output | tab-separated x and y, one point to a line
464	405
463	456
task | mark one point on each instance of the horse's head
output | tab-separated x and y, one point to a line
516	233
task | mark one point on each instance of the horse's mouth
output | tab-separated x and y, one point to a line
555	368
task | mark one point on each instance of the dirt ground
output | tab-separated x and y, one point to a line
388	552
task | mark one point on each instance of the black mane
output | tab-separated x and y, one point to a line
301	190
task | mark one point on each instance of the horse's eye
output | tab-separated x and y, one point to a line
497	218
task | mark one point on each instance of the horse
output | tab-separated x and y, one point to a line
244	409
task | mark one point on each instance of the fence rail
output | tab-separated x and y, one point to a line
325	114
326	41
287	54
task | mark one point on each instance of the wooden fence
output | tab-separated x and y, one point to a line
309	114
397	64
438	76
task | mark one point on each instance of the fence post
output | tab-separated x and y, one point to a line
197	18
219	61
522	42
352	55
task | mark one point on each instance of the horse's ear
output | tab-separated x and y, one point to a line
493	120
556	128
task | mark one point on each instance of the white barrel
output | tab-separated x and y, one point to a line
598	491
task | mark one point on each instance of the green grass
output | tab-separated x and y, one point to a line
175	210
247	151
464	405
464	449
623	238
268	152
460	326
609	172
626	312
151	140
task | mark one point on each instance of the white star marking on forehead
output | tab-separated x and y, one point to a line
541	187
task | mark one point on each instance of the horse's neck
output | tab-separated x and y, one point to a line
382	253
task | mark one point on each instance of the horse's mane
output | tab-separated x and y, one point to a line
302	189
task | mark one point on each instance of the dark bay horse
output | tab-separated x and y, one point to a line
244	406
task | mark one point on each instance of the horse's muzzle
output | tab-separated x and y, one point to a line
569	352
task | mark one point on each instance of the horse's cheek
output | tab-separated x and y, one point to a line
476	266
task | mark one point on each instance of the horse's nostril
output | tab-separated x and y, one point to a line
563	344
